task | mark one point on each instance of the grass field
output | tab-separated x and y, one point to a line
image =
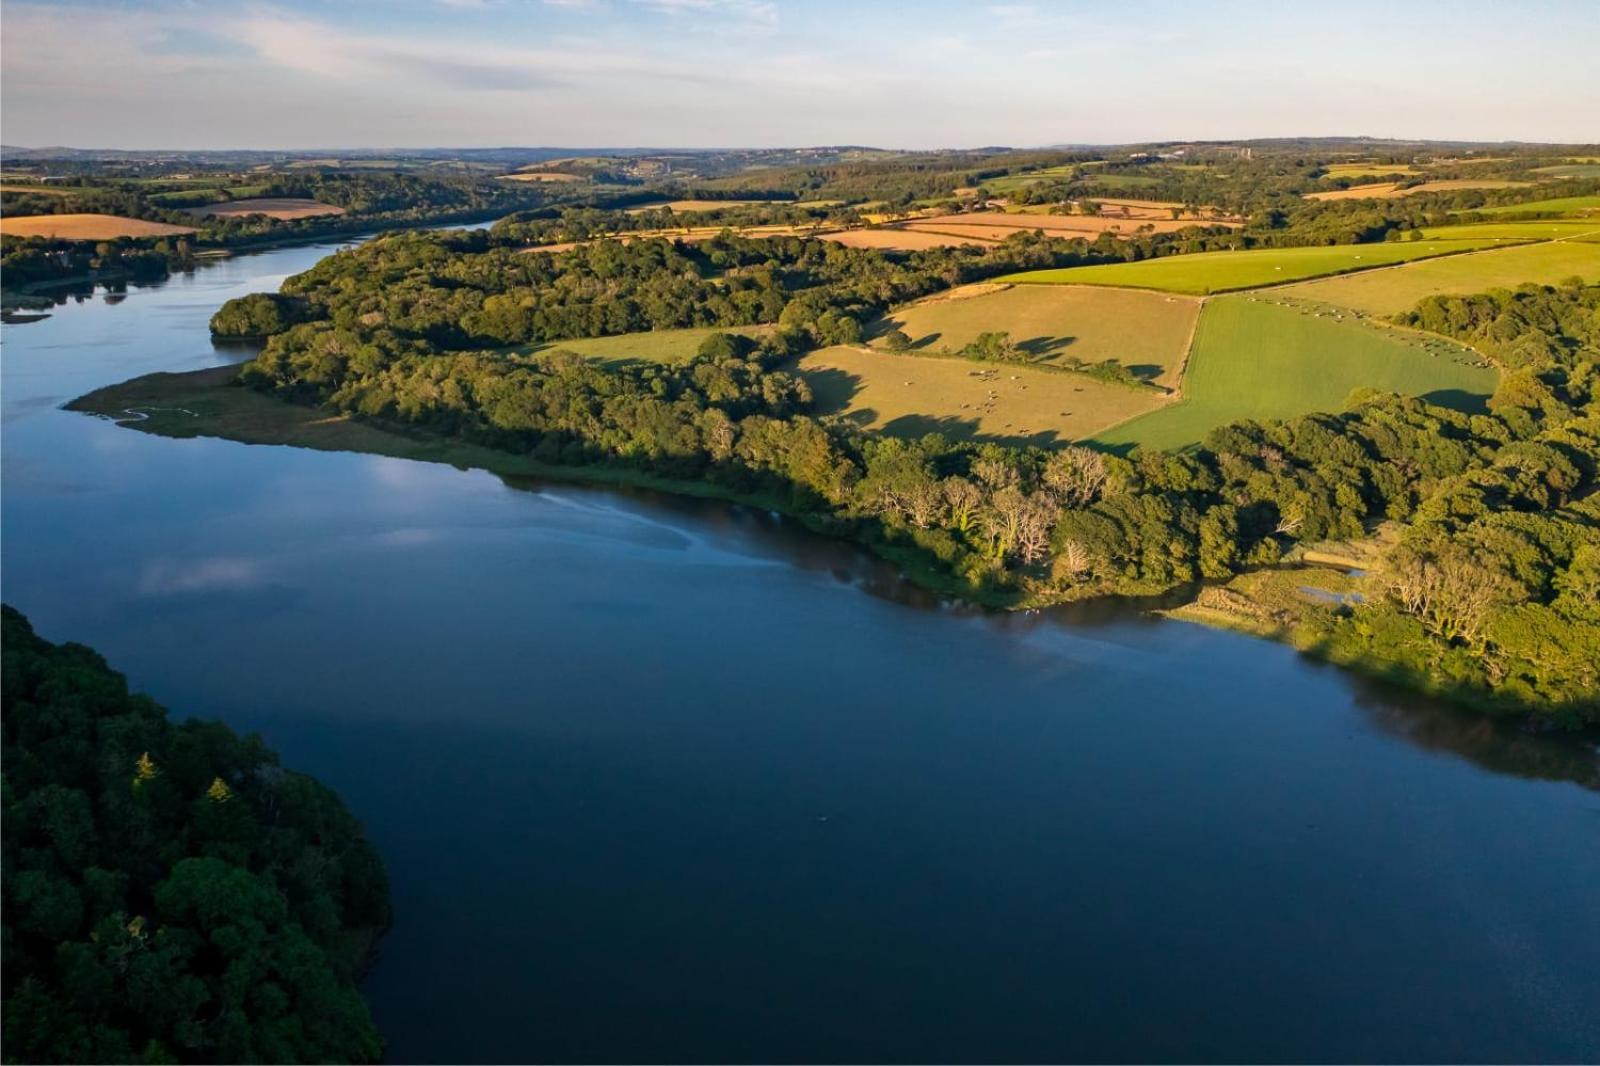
1261	357
1565	205
1211	272
272	207
1010	183
1571	170
86	227
1553	229
1147	332
658	346
1389	292
909	395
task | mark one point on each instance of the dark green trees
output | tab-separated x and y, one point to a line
171	893
260	314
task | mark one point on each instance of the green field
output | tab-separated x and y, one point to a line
1010	183
1550	229
1210	272
1571	170
1264	357
1122	181
658	346
1565	205
1389	292
1146	332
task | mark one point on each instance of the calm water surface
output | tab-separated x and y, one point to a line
660	780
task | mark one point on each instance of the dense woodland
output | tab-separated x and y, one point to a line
171	893
1491	594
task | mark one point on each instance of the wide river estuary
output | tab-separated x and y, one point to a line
661	780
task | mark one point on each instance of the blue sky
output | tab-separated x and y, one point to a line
390	73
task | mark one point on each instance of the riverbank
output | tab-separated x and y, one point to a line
1297	603
207	403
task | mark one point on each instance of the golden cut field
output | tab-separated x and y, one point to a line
1147	332
909	395
87	227
283	208
542	175
1391	190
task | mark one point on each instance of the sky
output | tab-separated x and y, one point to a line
200	74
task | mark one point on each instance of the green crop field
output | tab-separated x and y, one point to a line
658	346
1146	332
1549	229
1210	272
1565	205
1266	357
1389	292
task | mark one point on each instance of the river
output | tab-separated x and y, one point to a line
669	780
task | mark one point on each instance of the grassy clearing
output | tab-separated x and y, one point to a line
272	207
1269	357
909	395
1555	229
86	227
1212	272
1389	292
1147	332
658	346
1564	205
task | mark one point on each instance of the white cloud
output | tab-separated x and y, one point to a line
171	577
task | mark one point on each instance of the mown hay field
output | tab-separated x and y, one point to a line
86	227
1007	222
1212	272
1389	292
1147	332
542	175
909	395
272	206
690	206
657	346
1368	170
1265	356
895	239
1391	190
